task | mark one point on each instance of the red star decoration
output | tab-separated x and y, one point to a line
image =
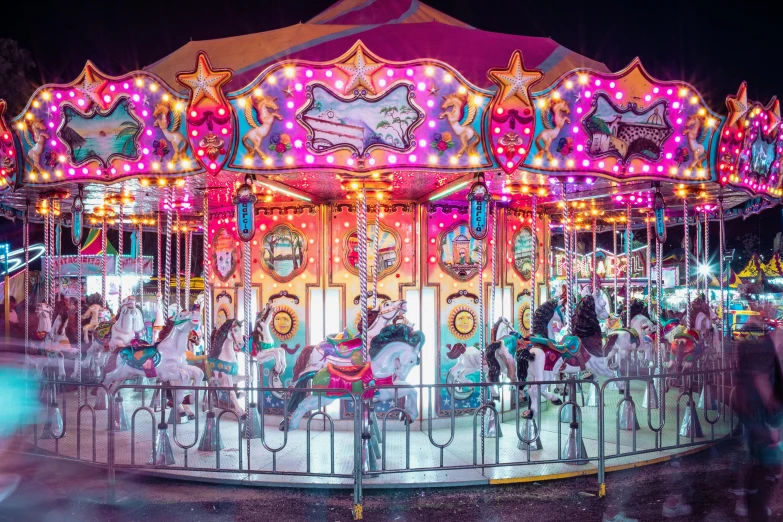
738	105
92	85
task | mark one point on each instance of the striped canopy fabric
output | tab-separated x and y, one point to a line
396	30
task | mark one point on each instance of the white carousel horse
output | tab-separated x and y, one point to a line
499	359
127	325
264	350
394	352
49	336
340	349
638	336
160	319
703	319
166	360
543	360
222	358
95	314
97	353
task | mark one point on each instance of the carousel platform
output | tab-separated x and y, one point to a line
288	466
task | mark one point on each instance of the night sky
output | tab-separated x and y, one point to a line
703	43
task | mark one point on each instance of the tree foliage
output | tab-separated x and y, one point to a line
15	64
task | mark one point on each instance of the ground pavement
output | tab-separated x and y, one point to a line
56	491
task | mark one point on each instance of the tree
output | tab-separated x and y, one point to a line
15	87
750	245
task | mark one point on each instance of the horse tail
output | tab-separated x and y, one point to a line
302	360
299	395
523	357
245	141
492	362
472	145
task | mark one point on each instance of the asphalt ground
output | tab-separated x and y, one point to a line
62	491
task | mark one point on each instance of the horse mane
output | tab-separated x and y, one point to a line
493	366
495	328
541	318
455	350
587	327
698	305
372	316
166	330
60	310
219	337
399	333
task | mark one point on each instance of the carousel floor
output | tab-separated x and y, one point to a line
289	465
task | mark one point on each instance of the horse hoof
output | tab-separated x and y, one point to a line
283	426
191	416
557	402
588	376
527	414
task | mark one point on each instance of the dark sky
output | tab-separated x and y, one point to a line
709	45
706	44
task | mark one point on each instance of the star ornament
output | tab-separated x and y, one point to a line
204	82
92	85
738	105
773	110
515	81
360	70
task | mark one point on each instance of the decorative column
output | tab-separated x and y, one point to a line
376	247
118	267
614	261
167	260
569	258
534	257
628	236
207	276
361	233
594	275
104	268
687	263
649	265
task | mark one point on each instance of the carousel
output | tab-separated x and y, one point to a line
389	228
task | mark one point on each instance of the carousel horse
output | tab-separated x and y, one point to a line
222	360
343	349
581	351
128	323
637	337
93	316
160	319
264	350
97	353
394	352
47	351
499	359
686	349
166	360
701	319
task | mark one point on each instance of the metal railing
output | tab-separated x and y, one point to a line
467	438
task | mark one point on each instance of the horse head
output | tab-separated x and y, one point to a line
264	317
451	102
502	328
174	336
269	102
161	109
391	309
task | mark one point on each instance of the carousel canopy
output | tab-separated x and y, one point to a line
395	97
399	30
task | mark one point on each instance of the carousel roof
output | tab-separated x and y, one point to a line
399	30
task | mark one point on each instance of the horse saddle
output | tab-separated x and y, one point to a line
570	350
103	331
349	373
631	332
141	356
344	342
352	379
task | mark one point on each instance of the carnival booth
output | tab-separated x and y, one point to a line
378	193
